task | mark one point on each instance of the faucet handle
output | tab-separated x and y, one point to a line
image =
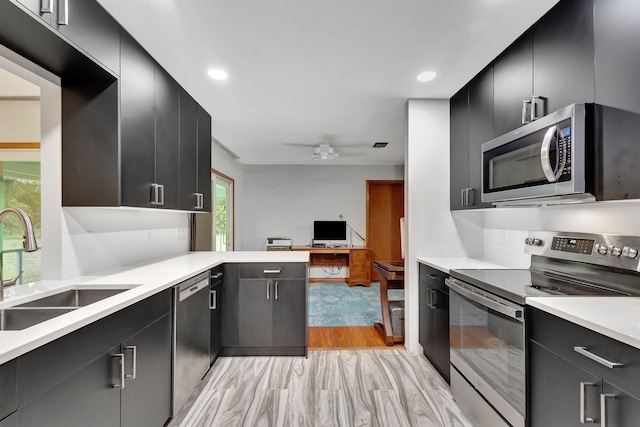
11	282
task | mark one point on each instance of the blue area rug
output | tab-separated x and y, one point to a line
336	304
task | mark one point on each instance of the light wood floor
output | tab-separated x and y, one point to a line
346	337
329	388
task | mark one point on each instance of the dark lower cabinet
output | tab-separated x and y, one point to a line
265	315
434	319
8	387
87	397
215	307
569	386
146	399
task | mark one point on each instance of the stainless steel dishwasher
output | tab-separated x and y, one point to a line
191	336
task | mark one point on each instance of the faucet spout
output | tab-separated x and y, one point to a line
30	244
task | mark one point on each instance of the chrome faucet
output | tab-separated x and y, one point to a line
29	244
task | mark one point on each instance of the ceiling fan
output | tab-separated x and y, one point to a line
324	152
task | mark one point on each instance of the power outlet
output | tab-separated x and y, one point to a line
182	233
501	236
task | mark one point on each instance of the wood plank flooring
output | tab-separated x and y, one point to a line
346	337
329	388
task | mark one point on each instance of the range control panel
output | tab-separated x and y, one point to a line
602	249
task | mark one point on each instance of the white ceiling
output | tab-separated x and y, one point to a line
336	71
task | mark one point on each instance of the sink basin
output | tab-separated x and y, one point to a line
22	316
73	298
15	319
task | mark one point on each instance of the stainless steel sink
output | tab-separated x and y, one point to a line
16	318
74	298
22	316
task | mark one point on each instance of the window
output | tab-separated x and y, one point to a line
222	190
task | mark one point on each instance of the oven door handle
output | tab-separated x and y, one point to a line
514	313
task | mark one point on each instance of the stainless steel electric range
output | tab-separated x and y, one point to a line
487	315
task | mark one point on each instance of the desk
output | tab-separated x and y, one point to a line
357	259
391	277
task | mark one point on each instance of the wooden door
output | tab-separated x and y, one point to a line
385	207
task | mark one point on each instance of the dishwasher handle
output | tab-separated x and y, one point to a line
193	289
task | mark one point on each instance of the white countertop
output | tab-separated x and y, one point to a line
446	264
147	279
615	317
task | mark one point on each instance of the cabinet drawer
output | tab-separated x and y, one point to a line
360	254
359	269
273	270
561	336
433	278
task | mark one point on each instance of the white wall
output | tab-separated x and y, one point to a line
283	201
19	120
432	230
229	166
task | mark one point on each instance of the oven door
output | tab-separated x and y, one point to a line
488	347
537	160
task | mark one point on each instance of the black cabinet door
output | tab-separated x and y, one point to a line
188	151
215	306
146	399
289	312
617	53
439	352
512	83
167	136
204	158
621	409
425	329
480	129
459	147
8	388
137	124
255	306
554	390
563	54
91	28
85	398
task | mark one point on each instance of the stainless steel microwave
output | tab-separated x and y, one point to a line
543	162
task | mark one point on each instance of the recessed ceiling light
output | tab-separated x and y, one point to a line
380	144
218	74
427	76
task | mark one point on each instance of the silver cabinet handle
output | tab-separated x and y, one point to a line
134	362
601	360
429	297
268	291
525	102
535	101
199	200
272	271
276	296
154	194
603	408
432	299
46	6
63	12
161	192
216	275
583	403
120	356
213	299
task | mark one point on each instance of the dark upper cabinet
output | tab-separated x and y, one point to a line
137	123
188	151
480	130
563	55
86	24
459	147
617	53
167	136
204	160
512	84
